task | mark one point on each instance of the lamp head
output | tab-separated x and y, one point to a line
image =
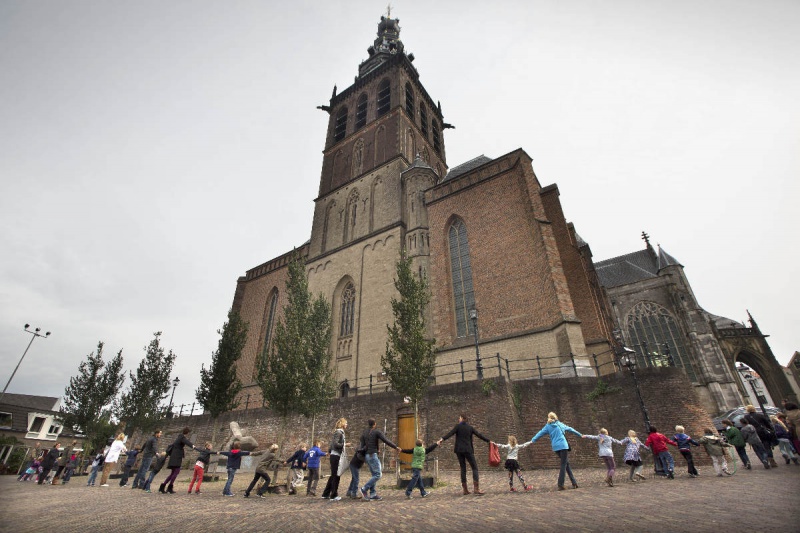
176	381
27	326
473	314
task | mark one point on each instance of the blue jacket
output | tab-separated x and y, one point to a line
311	457
234	458
296	460
555	430
684	441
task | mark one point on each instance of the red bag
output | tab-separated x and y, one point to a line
494	455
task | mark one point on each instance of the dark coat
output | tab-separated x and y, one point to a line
176	457
464	433
150	447
370	438
50	459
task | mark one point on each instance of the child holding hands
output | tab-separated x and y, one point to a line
512	461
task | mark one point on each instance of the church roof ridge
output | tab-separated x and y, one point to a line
465	167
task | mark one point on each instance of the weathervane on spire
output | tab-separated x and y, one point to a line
646	238
389	10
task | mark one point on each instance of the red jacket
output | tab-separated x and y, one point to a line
658	443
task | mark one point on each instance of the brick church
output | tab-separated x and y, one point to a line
492	242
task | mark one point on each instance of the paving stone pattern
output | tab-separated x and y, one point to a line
707	503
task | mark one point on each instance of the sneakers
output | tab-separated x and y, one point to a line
512	489
198	492
262	496
747	466
528	488
246	494
231	495
727	473
375	497
364	494
336	499
147	491
426	494
408	496
640	476
104	485
671	475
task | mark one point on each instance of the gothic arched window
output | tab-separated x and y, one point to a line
655	336
347	311
384	97
361	111
423	120
461	269
410	101
340	126
270	311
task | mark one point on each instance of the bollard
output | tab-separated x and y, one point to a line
462	371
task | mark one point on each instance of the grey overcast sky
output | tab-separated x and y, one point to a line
151	152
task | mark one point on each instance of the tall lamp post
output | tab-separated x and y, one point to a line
473	314
628	360
174	386
751	379
35	334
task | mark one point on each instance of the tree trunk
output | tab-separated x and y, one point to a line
214	431
313	429
416	419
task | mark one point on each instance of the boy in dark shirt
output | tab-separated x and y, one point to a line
199	467
296	467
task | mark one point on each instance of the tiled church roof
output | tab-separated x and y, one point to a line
633	267
463	168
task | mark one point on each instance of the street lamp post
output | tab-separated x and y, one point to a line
174	386
35	334
628	360
473	314
751	379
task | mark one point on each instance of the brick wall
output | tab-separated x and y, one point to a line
668	395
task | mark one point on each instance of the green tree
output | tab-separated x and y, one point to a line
410	357
91	395
139	405
220	385
294	373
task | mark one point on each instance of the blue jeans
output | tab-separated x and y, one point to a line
353	488
416	481
667	463
374	464
761	453
93	475
565	468
142	472
149	480
742	451
231	475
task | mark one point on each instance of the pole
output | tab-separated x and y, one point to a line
758	398
478	364
35	334
641	400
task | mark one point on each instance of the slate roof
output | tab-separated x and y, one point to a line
463	168
34	403
633	267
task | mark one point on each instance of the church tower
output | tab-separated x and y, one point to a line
384	147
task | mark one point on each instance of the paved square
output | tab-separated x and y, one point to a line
707	503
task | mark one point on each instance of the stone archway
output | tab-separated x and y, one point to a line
752	383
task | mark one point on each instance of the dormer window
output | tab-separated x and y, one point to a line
384	98
361	112
340	127
423	120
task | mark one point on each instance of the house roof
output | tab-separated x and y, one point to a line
633	267
33	403
463	168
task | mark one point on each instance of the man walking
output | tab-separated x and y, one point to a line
149	450
369	443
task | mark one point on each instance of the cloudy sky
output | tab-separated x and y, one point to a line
151	152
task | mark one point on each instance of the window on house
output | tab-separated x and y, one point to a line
5	420
655	337
361	112
423	120
340	126
37	424
384	98
437	143
347	310
463	294
344	389
55	429
410	101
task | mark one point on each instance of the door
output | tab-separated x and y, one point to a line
406	438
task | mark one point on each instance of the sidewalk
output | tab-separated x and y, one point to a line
707	503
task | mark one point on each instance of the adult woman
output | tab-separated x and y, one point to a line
49	461
117	448
784	440
465	452
176	459
336	454
558	441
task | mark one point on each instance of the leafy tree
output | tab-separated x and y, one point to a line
410	357
220	385
294	374
91	395
139	405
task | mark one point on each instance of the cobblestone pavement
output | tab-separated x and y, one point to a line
707	503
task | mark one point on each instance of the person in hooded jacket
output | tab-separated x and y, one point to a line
735	439
558	442
714	446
